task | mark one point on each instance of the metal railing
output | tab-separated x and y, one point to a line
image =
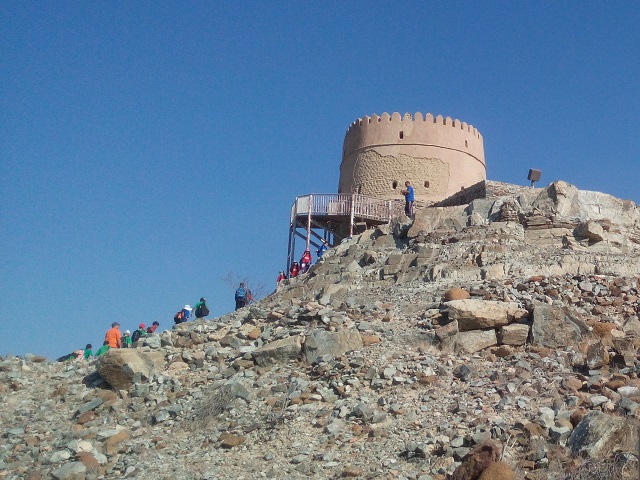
340	205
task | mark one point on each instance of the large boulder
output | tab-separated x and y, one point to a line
280	351
475	340
563	200
597	356
631	324
598	435
552	328
323	342
330	291
152	341
591	230
559	198
429	219
121	368
514	334
473	314
477	461
456	293
70	471
498	471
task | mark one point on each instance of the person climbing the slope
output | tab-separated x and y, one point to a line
321	249
281	276
305	261
179	317
201	308
294	270
250	298
75	355
241	296
409	197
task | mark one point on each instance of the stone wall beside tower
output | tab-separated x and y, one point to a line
439	156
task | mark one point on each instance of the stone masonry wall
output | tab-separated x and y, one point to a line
372	172
440	156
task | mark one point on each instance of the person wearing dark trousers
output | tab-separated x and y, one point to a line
241	296
201	309
409	198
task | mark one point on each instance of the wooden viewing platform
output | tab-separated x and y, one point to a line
334	215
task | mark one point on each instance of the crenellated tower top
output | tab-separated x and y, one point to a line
439	155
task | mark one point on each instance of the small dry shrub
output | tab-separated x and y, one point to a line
618	467
276	416
213	403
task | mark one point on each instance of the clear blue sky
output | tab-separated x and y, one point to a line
149	148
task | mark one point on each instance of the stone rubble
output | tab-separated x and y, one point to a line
497	340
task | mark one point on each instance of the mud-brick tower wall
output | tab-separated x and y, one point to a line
439	156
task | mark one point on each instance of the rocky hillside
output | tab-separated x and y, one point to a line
494	340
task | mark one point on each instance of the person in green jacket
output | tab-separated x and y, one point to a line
87	352
126	339
139	333
103	349
201	310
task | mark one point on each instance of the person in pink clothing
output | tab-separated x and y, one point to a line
152	328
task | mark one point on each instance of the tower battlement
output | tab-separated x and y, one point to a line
439	155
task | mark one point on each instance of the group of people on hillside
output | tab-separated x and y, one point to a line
113	339
200	310
243	296
85	354
305	262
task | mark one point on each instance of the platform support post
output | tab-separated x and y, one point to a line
351	207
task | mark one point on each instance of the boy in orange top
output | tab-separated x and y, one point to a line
113	336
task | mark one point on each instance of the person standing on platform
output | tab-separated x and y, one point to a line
409	198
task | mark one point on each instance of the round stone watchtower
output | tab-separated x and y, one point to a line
439	156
